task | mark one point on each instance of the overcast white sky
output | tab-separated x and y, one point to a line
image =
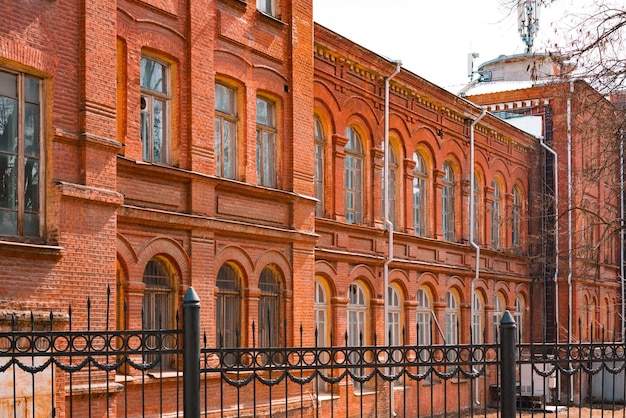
433	37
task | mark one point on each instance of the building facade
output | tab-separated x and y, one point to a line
147	146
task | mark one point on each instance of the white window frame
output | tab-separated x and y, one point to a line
320	147
267	7
226	120
447	203
498	311
496	214
516	219
356	326
518	316
353	174
419	195
266	133
478	319
393	172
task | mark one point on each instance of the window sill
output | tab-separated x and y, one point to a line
239	4
271	19
17	248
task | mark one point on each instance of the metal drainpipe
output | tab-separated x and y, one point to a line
556	242
623	225
387	220
471	226
569	223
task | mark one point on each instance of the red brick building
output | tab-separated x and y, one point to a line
580	193
154	145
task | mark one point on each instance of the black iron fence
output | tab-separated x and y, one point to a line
62	372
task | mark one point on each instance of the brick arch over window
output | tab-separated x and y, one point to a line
237	255
280	263
126	254
170	249
401	279
365	274
326	99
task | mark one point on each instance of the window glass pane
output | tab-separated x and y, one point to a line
224	99
230	133
158	129
31	224
8	222
218	145
31	87
152	75
8	124
31	130
145	134
8	84
8	181
264	112
31	184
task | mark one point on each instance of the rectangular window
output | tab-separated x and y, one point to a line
155	99
265	142
225	131
20	154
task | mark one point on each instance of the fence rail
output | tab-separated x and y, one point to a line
171	373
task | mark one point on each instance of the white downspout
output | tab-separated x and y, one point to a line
388	222
569	222
472	239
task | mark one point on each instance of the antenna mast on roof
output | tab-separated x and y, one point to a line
528	21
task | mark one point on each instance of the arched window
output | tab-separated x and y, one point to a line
394	316
158	296
225	131
155	103
269	309
476	209
266	142
447	202
423	321
320	146
496	215
158	305
357	323
477	319
519	318
419	195
321	314
451	319
353	177
516	219
423	318
498	311
593	320
228	308
393	172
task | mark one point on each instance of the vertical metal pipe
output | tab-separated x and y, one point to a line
569	227
622	227
508	329
472	238
388	222
191	354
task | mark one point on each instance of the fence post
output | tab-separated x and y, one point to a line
508	329
191	354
